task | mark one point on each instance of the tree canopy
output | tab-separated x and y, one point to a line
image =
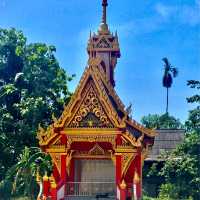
33	87
165	121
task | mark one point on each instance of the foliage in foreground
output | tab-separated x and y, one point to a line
21	177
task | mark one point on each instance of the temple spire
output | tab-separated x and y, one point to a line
104	27
104	4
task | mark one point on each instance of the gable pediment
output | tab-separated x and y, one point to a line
90	112
91	105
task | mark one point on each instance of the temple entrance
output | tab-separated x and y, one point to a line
94	179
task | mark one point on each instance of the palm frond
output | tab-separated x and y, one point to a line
166	61
34	157
174	71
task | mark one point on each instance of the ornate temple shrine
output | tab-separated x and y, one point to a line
97	150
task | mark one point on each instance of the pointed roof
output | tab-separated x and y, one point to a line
112	113
107	95
95	103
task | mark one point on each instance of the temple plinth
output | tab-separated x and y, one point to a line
97	150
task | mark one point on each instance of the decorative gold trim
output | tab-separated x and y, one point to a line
91	138
96	150
44	136
127	159
122	149
56	149
135	142
113	157
57	141
86	156
94	131
68	160
56	157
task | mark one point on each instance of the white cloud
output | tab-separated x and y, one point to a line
165	11
2	3
182	13
139	26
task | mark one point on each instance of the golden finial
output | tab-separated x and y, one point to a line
45	177
123	185
136	178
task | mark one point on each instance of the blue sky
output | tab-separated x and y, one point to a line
148	31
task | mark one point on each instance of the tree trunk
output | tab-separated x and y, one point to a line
167	100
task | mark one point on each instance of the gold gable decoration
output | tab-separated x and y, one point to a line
96	150
91	106
56	157
94	73
45	135
127	159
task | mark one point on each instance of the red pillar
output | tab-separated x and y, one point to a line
137	182
121	185
63	168
118	175
123	190
46	186
53	194
118	169
71	176
53	189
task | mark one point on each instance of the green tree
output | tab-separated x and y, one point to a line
193	121
169	73
181	169
33	87
165	121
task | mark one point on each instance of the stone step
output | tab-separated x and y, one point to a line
88	198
